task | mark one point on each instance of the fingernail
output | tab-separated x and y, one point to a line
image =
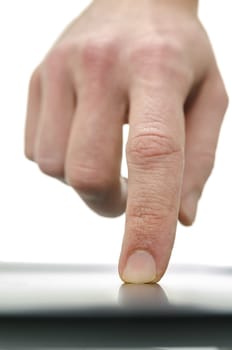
190	207
140	268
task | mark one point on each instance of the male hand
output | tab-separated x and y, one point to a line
150	64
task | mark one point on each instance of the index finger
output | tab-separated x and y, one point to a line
155	159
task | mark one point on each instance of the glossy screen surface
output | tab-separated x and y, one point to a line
35	288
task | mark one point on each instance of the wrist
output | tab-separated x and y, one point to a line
190	6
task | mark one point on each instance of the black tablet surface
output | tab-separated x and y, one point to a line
88	306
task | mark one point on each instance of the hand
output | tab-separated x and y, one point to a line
146	63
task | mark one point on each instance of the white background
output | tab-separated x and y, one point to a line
44	220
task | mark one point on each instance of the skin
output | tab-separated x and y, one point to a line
150	64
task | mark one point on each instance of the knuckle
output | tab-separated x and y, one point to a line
28	150
98	52
144	148
87	180
161	54
51	167
166	49
58	59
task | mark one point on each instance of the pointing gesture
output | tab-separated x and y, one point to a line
146	63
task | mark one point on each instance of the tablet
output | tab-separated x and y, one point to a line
87	306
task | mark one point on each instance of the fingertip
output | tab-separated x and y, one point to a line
188	209
185	219
140	268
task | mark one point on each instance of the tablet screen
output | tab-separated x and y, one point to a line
88	306
41	288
